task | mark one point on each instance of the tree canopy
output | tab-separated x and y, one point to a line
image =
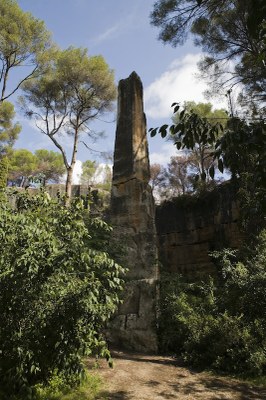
24	41
22	164
8	129
229	32
50	165
76	89
88	172
43	165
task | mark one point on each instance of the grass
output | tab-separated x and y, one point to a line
58	390
88	390
257	381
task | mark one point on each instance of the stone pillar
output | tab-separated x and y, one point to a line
133	220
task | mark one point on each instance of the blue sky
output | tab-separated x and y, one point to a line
120	31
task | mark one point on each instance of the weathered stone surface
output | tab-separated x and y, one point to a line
188	232
131	148
133	220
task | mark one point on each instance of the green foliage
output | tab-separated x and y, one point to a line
24	42
205	110
88	172
8	130
57	290
195	133
3	172
22	164
57	389
50	164
76	89
219	324
239	146
44	165
200	157
242	148
190	130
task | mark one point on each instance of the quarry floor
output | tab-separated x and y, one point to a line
144	377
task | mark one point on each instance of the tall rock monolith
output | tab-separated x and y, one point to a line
133	221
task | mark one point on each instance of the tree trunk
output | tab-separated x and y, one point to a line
4	85
71	167
69	184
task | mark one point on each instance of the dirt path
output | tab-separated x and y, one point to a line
140	377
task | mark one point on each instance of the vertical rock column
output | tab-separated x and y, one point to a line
132	217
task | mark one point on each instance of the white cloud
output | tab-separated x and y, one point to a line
177	84
167	150
127	22
100	172
77	172
107	34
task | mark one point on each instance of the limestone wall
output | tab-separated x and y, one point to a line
188	230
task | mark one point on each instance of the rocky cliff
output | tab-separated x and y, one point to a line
190	228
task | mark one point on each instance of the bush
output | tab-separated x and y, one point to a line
56	292
3	172
221	324
57	389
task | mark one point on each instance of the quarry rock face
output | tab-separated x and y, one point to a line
133	221
189	232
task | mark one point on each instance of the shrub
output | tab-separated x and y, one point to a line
3	172
221	324
56	292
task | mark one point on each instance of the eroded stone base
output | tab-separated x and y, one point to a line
134	325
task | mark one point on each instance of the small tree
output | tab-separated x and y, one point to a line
25	165
105	173
22	165
88	172
178	175
192	132
157	179
50	165
200	156
76	90
172	180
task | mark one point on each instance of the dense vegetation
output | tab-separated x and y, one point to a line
57	290
219	324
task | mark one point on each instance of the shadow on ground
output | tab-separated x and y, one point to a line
138	377
114	396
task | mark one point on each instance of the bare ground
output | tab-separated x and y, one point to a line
143	377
